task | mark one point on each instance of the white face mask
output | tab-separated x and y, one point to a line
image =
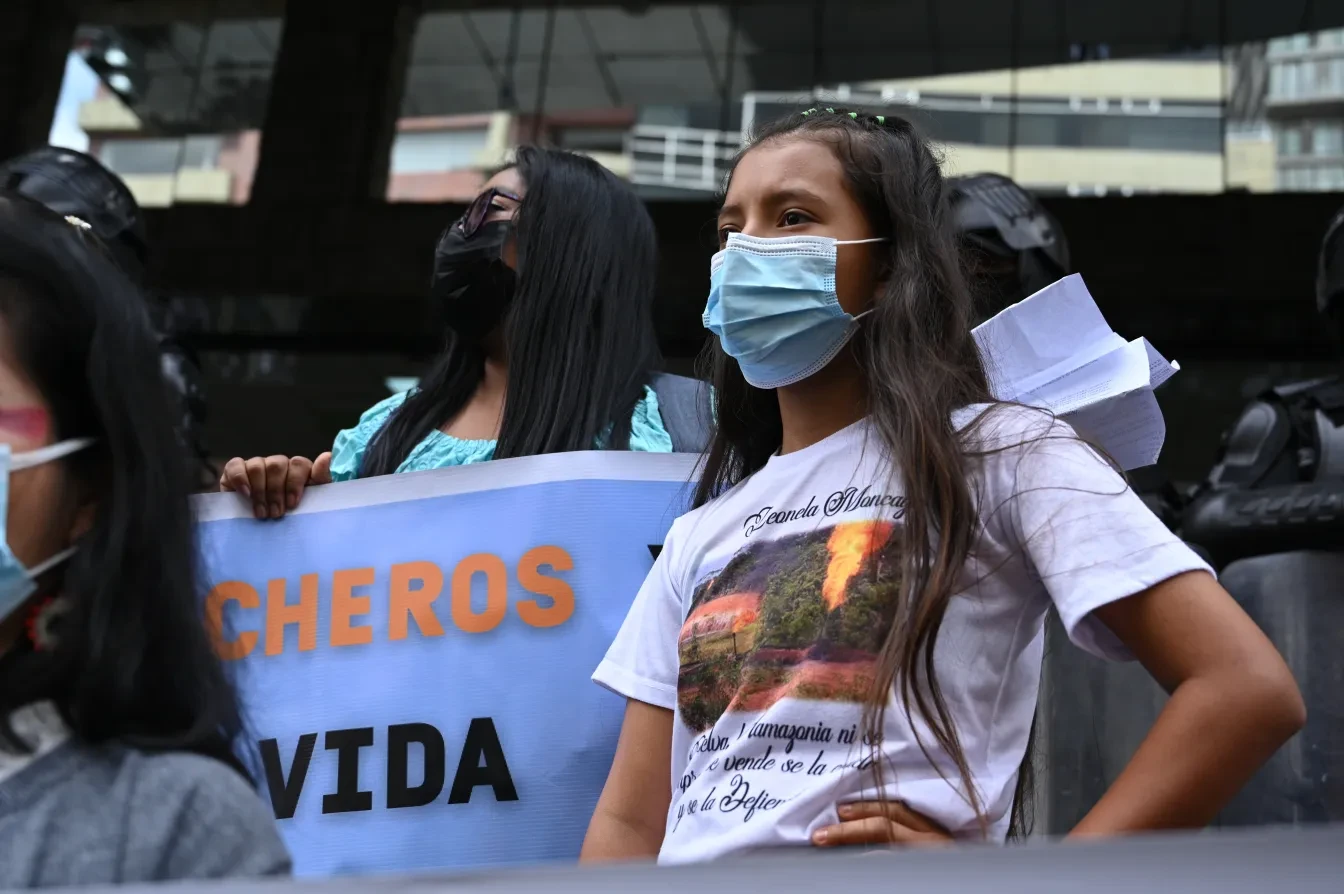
18	582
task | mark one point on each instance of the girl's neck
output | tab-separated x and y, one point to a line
821	405
495	379
480	418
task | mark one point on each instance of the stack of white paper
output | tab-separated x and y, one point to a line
1055	350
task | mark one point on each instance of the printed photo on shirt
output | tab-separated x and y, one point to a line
799	617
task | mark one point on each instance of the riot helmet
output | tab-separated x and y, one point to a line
1014	246
1330	276
78	185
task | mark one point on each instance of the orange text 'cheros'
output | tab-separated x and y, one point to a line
412	591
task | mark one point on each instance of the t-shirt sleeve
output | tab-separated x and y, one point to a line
642	662
1085	532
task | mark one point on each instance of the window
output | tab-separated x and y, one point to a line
179	99
1306	79
1287	80
1328	139
1330	179
1290	142
590	139
201	152
141	157
436	151
1321	81
668	116
148	157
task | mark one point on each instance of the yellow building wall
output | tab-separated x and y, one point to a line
190	185
1049	166
1250	165
1112	78
105	114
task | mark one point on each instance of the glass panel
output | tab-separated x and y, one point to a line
175	108
130	157
431	151
1290	141
1328	139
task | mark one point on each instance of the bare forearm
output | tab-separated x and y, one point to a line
1208	741
612	839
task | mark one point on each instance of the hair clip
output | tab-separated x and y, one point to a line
880	119
77	222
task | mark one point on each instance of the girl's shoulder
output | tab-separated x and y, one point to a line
1016	449
999	427
347	449
378	413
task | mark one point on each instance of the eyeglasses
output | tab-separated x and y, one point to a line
474	217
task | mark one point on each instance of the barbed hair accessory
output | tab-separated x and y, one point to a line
879	120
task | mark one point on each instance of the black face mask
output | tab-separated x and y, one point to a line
472	284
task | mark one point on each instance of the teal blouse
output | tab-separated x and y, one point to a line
438	450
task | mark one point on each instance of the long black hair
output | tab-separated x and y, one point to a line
132	661
920	363
579	335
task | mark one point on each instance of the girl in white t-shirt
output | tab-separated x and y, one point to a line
842	643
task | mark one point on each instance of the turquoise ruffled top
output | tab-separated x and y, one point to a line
438	450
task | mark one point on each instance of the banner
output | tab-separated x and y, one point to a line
414	653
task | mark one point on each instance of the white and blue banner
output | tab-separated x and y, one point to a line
414	653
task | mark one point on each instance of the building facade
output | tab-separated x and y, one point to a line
1305	108
1090	128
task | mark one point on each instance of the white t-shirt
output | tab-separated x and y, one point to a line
761	619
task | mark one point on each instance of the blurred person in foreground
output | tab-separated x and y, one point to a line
546	288
74	183
119	730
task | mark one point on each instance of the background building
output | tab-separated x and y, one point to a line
1088	128
1305	105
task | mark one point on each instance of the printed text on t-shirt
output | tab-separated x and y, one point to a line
847	500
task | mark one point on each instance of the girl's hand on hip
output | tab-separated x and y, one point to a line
881	823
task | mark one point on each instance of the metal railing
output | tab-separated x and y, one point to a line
689	158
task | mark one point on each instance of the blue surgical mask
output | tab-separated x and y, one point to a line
772	303
17	583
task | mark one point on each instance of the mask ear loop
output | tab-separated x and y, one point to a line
30	458
859	316
50	562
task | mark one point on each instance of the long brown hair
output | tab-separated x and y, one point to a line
921	364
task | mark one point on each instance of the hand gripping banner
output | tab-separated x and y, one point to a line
414	653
